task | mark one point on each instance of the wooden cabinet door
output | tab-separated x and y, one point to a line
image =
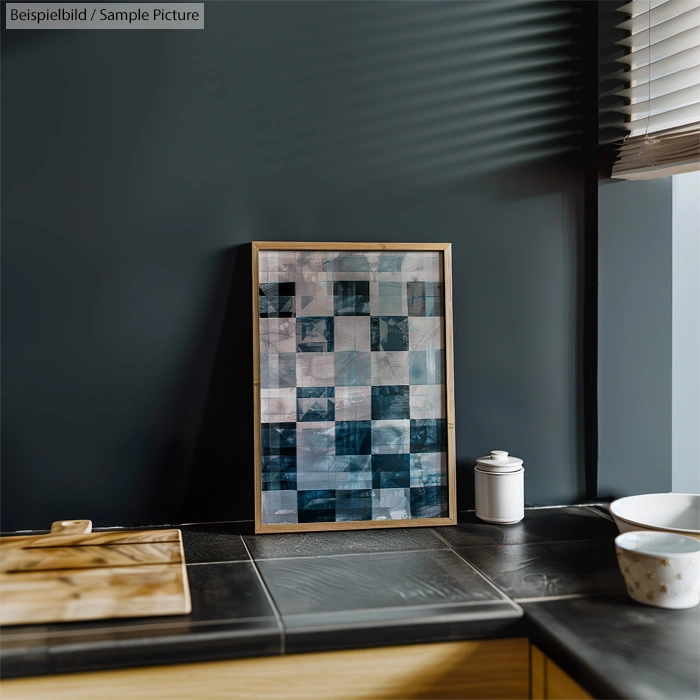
549	682
496	668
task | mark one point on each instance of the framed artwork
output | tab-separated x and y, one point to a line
354	389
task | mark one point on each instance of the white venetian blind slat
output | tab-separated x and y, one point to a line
662	49
665	30
659	14
668	102
661	88
690	58
665	120
638	7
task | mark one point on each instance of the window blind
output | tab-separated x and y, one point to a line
660	74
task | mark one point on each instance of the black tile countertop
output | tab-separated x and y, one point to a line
552	577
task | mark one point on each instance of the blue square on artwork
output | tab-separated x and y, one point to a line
279	438
389	333
352	472
429	502
315	334
351	298
353	437
275	289
315	404
391	471
277	300
428	435
316	506
279	472
391	402
353	505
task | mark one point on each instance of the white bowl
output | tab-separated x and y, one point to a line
668	512
660	568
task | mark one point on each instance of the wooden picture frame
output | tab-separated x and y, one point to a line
414	470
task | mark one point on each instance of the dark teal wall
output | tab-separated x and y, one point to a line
138	165
635	337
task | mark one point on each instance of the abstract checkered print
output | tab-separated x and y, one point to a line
352	366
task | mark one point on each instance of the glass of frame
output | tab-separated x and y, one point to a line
354	389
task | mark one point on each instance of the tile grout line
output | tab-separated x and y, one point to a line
530	544
549	507
354	554
214	563
165	526
486	578
441	606
271	600
564	596
600	513
441	538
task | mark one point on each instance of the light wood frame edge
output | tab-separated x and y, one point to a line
450	387
451	519
257	457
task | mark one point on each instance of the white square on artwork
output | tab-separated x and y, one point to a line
279	506
427	401
278	335
389	368
315	369
391	436
285	264
422	262
353	403
352	333
314	264
426	333
278	405
391	504
314	297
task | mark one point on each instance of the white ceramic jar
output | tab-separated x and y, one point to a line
499	482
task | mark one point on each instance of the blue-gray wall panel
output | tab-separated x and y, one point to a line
634	337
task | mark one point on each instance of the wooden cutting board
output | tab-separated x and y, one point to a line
76	574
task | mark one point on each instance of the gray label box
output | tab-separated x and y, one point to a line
124	15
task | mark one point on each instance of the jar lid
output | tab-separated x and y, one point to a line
499	461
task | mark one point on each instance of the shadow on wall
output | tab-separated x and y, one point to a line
424	94
206	464
223	456
611	124
379	94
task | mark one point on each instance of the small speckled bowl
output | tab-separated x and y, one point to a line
660	568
